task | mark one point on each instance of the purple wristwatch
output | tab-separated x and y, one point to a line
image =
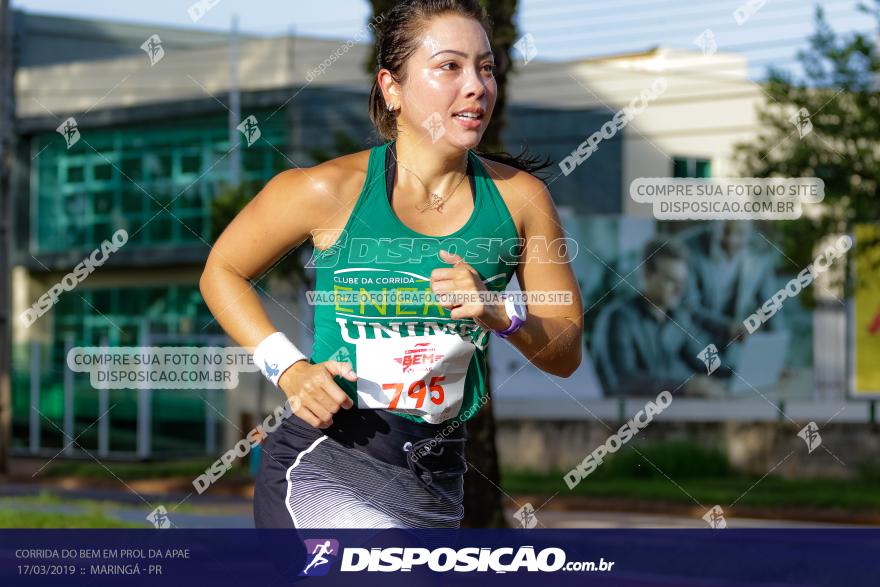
517	314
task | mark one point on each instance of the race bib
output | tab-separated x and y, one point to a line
420	375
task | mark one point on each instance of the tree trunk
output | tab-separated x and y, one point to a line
483	503
483	499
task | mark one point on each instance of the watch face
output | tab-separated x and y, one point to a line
520	311
515	309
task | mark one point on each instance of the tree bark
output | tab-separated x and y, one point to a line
483	501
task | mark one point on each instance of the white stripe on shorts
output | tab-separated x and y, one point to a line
340	487
292	467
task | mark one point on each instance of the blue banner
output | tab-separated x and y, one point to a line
693	557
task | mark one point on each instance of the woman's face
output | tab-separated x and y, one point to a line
451	71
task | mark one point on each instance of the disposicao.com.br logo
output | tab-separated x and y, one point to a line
321	554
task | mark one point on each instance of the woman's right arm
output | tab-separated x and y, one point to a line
279	218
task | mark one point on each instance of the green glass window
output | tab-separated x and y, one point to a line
691	167
80	197
119	317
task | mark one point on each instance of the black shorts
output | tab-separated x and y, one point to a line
369	469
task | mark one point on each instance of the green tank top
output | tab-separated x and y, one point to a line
435	366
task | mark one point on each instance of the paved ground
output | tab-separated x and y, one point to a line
580	519
230	512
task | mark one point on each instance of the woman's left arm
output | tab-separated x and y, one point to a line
552	336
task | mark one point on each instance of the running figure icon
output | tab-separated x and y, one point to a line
319	559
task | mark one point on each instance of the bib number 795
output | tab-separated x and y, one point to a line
418	389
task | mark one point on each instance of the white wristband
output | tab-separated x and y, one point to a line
275	354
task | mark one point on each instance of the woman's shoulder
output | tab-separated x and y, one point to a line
523	193
333	177
321	195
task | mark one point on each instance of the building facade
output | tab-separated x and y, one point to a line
129	127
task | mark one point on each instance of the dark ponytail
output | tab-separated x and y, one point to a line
530	163
397	39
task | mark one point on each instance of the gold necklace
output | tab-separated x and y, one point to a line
437	201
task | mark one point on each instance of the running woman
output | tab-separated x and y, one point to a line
376	439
